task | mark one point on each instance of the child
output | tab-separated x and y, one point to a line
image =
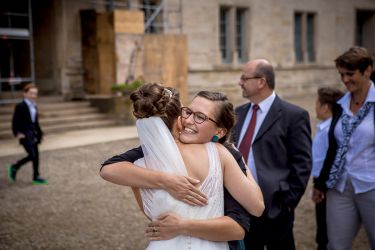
327	96
26	128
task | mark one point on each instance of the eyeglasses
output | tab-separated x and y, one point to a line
245	78
198	117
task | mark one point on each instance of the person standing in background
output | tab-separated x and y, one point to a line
327	97
26	128
347	178
274	137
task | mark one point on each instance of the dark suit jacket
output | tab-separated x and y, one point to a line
282	154
22	123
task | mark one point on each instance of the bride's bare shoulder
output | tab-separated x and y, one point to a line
220	147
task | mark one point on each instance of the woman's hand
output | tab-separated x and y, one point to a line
20	135
170	225
317	196
167	226
183	189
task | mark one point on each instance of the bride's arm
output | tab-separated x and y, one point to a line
244	189
170	225
138	198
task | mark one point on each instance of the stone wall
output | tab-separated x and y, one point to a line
271	36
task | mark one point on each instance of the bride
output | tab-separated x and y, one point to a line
157	109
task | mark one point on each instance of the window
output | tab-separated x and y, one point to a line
16	53
365	32
241	35
298	37
153	11
304	37
233	34
224	34
310	38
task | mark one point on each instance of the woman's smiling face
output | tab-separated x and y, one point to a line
192	132
354	80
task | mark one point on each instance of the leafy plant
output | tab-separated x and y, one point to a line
126	88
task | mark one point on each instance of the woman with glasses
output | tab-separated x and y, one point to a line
211	164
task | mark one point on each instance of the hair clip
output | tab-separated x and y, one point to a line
167	92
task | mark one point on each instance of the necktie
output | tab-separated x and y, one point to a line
246	141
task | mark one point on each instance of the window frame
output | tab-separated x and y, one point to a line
233	42
224	35
304	35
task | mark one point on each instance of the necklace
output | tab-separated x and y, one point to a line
354	102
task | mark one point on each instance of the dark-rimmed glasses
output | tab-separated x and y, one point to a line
198	117
246	78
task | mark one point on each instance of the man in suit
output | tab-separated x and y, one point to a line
278	152
26	128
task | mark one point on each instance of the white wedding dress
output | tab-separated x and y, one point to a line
161	153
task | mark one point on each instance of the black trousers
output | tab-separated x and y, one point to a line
32	155
321	225
274	234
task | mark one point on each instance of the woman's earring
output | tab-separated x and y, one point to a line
215	138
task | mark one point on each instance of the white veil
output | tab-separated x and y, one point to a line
159	147
161	154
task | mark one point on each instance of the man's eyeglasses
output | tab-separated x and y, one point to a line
246	78
198	117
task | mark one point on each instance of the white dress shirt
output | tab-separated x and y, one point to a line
320	146
32	109
360	158
264	107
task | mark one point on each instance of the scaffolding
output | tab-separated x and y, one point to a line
158	20
157	13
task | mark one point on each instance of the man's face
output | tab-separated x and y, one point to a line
249	81
31	94
193	132
354	79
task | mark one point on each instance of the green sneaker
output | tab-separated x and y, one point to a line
39	181
11	174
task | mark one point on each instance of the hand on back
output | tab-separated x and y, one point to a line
184	188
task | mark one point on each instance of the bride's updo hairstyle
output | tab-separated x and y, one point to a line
152	99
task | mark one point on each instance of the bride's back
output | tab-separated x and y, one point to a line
196	159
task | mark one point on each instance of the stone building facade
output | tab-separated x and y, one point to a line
301	38
271	29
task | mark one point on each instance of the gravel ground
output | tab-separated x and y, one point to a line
79	210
